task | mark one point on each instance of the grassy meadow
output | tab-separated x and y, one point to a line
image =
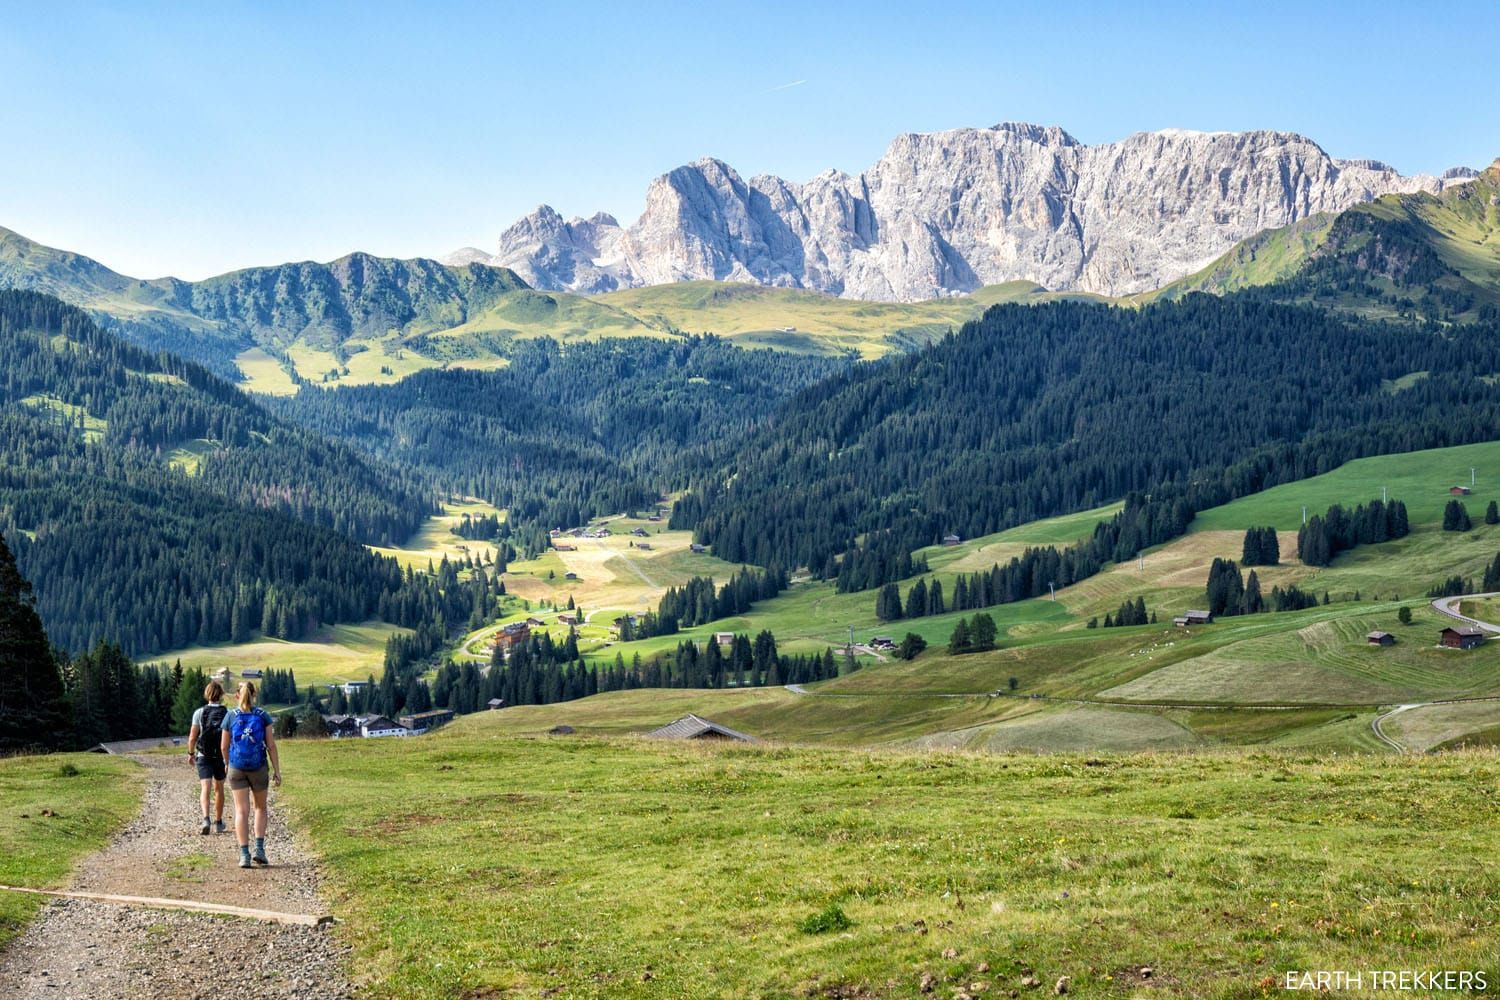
264	374
55	809
1419	479
334	654
618	867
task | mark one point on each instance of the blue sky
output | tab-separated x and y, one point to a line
186	140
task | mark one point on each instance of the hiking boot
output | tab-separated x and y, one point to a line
218	826
245	861
260	856
204	831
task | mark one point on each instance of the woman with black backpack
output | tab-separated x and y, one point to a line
204	752
247	745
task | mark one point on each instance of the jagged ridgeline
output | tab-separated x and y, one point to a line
1042	410
154	504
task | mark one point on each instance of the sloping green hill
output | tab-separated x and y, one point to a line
154	504
1417	256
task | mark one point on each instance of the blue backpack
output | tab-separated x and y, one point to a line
247	740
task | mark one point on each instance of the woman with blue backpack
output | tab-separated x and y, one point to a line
248	746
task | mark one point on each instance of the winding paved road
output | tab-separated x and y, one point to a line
1449	606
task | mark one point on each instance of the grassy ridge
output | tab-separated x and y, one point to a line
626	868
88	797
1420	479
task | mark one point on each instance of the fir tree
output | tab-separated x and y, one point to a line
33	713
959	641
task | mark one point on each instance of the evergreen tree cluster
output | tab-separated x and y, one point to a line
122	546
563	435
1130	613
1452	587
278	687
1456	516
61	368
1032	412
698	601
1261	548
1322	538
1140	523
478	528
1230	593
1292	598
974	635
911	647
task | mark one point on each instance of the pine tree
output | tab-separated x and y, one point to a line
1456	517
33	712
188	697
916	600
960	641
984	632
1492	514
1252	603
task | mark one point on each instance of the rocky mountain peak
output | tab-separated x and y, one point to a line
943	213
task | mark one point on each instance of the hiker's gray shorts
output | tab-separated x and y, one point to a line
256	781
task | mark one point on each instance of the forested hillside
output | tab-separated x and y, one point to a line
155	505
1035	411
563	434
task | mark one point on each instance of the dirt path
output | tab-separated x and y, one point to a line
1380	733
80	948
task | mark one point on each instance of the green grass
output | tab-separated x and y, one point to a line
189	457
435	540
336	653
86	797
1420	479
810	322
81	420
585	867
264	374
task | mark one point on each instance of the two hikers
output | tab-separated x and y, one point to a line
240	738
250	749
204	752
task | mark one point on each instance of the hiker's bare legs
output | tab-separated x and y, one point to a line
262	814
218	801
207	784
242	815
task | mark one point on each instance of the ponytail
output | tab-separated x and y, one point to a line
247	695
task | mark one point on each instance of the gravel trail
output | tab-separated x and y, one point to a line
86	949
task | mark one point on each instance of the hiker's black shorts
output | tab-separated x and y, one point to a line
210	769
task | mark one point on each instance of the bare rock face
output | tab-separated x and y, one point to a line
946	212
578	255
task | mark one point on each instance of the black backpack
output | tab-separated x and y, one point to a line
210	728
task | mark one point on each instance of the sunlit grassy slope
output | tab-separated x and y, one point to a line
752	315
572	866
336	653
